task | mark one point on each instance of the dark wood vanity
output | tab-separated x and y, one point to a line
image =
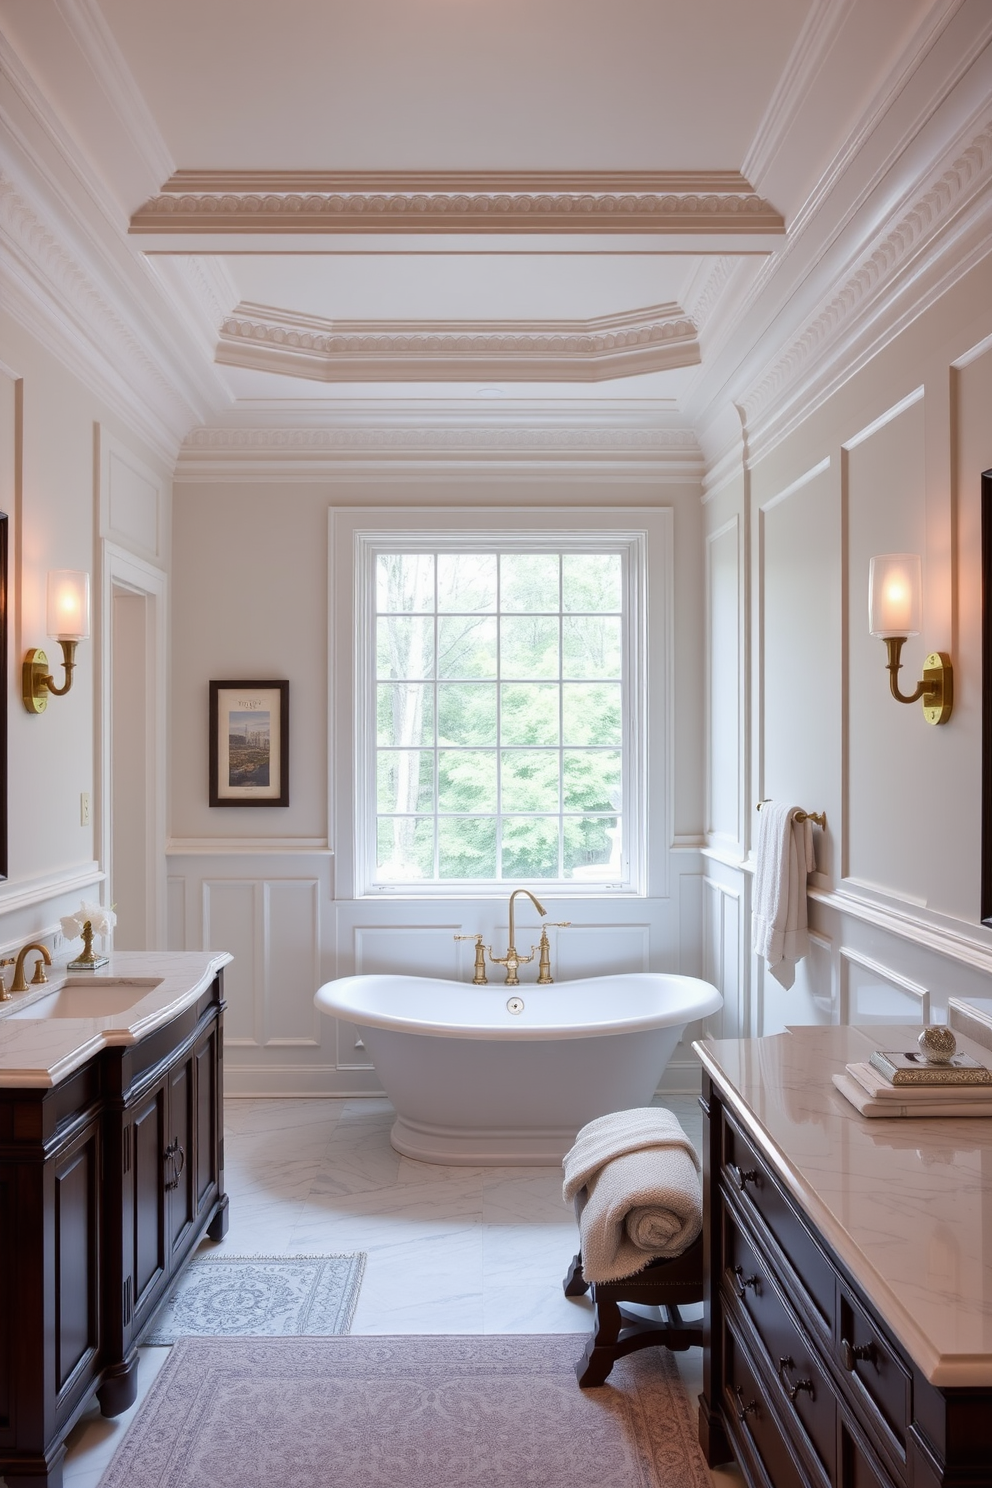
807	1382
108	1180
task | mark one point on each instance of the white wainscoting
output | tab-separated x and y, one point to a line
274	912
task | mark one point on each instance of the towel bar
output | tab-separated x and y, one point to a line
820	817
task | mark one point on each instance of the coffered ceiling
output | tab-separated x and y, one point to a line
328	200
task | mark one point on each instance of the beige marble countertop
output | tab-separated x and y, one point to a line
906	1203
36	1052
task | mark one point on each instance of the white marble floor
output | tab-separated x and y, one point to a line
450	1250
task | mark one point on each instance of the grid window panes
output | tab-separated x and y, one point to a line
499	707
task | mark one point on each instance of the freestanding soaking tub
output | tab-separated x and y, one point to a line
497	1075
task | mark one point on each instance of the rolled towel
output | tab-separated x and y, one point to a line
638	1174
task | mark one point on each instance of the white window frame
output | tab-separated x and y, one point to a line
358	536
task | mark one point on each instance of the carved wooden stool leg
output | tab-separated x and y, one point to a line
575	1284
600	1352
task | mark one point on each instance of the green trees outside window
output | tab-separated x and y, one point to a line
499	716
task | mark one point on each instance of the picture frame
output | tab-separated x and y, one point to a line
249	743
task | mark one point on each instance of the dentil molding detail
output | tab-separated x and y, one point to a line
916	227
274	202
268	339
477	437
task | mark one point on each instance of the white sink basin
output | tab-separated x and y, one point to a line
89	997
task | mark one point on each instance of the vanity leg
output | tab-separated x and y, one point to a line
218	1226
119	1388
51	1479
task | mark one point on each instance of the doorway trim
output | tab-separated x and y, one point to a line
123	570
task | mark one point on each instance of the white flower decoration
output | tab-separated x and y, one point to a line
102	921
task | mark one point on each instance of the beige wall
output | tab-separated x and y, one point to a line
51	486
253	600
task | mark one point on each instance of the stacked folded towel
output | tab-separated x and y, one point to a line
873	1095
638	1174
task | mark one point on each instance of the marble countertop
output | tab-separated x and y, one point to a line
39	1052
906	1203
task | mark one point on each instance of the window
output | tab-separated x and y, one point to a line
501	713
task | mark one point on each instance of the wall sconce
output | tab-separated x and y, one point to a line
68	622
895	612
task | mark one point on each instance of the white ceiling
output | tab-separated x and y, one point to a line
479	96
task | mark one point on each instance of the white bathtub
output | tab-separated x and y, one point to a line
473	1082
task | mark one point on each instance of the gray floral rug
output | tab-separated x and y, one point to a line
463	1411
260	1296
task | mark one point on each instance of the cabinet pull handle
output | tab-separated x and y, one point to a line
169	1155
745	1176
850	1354
743	1282
792	1390
742	1409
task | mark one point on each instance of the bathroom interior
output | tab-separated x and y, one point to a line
735	319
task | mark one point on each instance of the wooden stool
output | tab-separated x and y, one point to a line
664	1283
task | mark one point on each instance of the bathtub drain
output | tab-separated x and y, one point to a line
515	1005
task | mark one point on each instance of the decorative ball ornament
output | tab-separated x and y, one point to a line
937	1044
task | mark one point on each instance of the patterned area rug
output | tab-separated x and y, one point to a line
260	1296
499	1411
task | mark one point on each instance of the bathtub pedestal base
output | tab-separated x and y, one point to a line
480	1149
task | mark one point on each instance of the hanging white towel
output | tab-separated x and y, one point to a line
784	857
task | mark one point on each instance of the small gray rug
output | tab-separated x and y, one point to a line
260	1296
463	1411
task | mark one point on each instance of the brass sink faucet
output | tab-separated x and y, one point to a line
19	983
512	960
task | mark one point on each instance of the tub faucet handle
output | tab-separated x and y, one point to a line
544	977
479	978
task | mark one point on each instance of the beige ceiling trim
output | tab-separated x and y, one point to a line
271	340
447	202
582	443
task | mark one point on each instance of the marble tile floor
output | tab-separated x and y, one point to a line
450	1250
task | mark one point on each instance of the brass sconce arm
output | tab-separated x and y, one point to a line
38	682
936	689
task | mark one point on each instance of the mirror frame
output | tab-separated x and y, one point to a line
3	693
985	910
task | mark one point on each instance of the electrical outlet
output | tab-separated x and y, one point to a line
84	808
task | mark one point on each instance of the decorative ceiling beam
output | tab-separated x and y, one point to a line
270	340
273	202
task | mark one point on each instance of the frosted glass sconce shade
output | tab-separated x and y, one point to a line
68	623
68	604
895	595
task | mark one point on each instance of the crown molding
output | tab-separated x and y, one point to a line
340	443
274	202
932	239
95	40
57	301
267	339
822	24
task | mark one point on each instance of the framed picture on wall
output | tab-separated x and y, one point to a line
249	743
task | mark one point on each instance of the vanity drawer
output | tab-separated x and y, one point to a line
805	1395
759	1197
875	1380
751	1417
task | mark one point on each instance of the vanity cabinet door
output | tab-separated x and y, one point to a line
144	1154
76	1258
180	1154
206	1169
